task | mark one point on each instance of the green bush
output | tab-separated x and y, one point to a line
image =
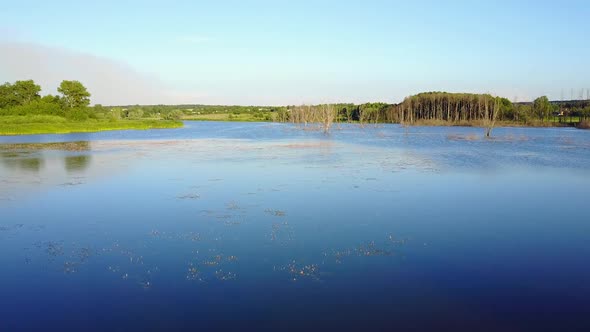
174	115
36	107
27	119
135	114
77	114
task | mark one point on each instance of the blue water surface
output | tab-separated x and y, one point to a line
264	226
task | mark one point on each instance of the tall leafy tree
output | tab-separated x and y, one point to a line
26	91
542	107
19	93
74	94
6	95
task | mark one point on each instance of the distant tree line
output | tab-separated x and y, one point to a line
452	108
461	107
73	99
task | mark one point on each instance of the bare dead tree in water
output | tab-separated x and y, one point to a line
322	116
362	115
327	114
490	119
300	115
376	119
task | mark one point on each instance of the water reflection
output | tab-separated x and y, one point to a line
77	164
15	161
32	168
35	161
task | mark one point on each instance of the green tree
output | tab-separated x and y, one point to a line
98	108
26	91
74	94
116	114
6	95
19	93
506	109
136	113
542	107
174	115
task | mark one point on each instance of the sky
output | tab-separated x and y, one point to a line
295	52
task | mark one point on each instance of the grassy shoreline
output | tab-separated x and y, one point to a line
228	117
24	125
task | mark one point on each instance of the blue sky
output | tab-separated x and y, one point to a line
292	52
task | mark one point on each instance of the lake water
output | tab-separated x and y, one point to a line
261	226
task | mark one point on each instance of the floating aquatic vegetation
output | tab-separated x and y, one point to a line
203	271
189	196
193	237
133	266
397	241
193	273
232	206
70	267
52	249
134	259
36	228
71	183
190	236
114	269
225	276
130	255
146	284
282	232
155	233
214	261
339	255
276	213
232	223
11	227
459	137
370	249
299	271
83	254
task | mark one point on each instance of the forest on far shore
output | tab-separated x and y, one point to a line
72	103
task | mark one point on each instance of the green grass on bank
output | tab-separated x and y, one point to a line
48	124
242	117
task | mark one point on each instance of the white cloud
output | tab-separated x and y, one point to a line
110	82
